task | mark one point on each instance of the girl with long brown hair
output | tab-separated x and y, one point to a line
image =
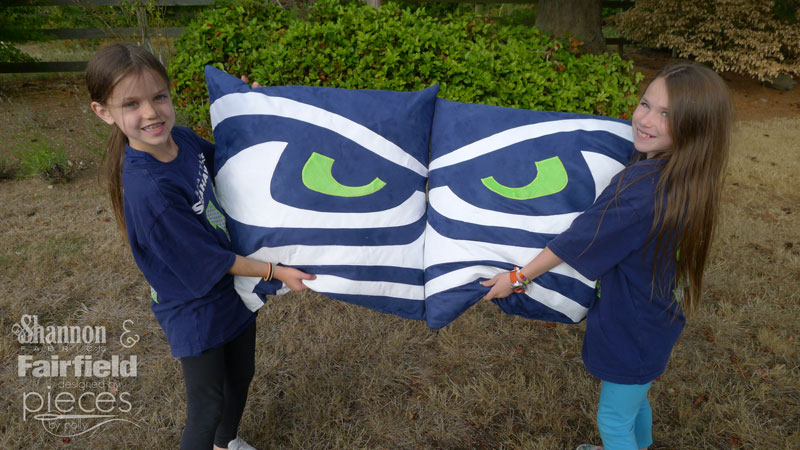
646	241
163	199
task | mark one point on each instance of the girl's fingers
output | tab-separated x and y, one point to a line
253	85
490	282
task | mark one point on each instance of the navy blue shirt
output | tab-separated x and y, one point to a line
178	237
630	329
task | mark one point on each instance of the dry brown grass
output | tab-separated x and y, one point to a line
333	375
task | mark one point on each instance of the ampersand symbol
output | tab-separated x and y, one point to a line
125	340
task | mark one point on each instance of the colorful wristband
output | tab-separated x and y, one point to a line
516	285
268	276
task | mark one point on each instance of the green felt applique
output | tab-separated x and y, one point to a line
551	178
318	176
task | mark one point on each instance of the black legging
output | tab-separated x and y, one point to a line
216	391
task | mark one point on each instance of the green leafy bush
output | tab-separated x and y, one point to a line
13	24
351	45
9	53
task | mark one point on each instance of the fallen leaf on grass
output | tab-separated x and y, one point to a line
734	442
708	335
733	356
700	399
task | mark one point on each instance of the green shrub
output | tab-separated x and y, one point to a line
351	45
754	37
44	159
9	53
15	26
432	8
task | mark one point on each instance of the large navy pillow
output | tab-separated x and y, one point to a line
330	181
502	183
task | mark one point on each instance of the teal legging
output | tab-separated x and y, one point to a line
624	417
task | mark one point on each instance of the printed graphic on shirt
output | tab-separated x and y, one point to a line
200	189
216	219
153	294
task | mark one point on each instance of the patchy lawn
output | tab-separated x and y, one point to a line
333	375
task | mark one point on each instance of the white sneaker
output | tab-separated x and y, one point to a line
589	447
239	444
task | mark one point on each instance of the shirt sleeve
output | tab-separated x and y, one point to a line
610	230
191	252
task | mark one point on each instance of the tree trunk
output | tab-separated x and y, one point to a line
579	19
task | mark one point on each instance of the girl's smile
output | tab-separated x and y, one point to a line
155	129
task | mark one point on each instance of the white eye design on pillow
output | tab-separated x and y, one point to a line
334	182
495	202
243	182
244	188
312	188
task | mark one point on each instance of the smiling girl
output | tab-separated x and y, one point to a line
159	183
645	240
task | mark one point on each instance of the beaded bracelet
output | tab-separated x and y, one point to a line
518	280
521	276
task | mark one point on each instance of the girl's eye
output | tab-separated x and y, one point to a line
161	97
664	114
644	104
129	105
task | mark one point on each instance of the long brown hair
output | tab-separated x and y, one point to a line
689	188
105	70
